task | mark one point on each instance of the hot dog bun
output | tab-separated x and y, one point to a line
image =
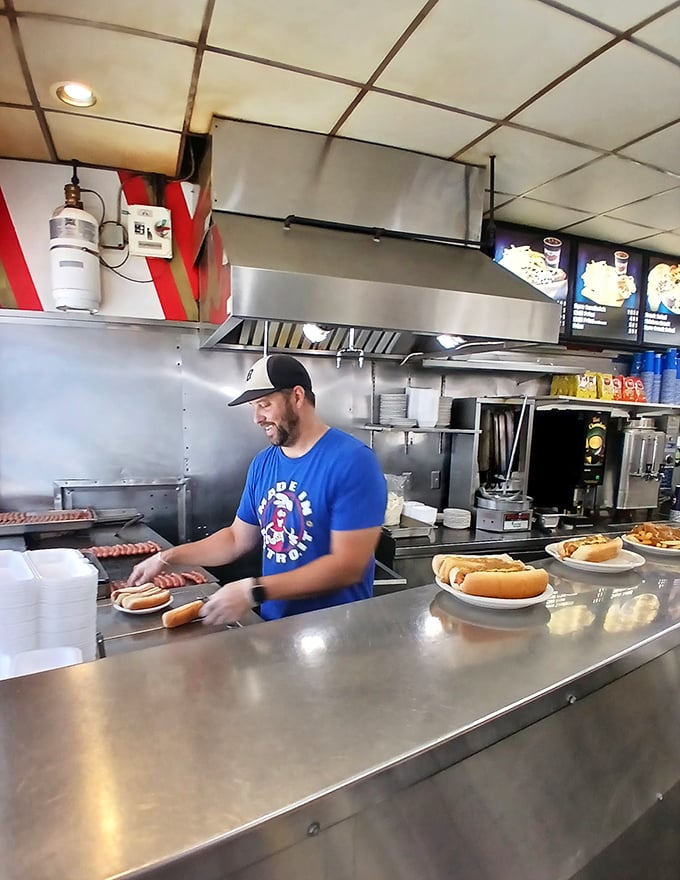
183	614
151	600
446	564
130	591
505	584
594	548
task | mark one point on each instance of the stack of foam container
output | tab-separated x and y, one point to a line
19	613
67	599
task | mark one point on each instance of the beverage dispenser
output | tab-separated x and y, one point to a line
641	465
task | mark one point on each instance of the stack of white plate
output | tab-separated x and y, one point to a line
444	412
392	407
19	615
67	600
456	518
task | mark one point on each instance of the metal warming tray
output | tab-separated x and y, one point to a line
69	524
410	528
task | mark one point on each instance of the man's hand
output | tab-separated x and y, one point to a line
229	603
147	570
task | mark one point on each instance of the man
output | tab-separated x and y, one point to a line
315	500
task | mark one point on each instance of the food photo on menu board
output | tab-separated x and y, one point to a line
540	258
662	309
607	300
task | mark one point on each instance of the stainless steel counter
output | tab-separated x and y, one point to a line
445	540
199	757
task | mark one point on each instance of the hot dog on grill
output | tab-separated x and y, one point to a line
492	577
593	548
182	615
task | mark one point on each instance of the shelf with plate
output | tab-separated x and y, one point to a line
435	430
375	428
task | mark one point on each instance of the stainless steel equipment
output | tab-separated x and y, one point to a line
495	452
546	519
502	509
641	462
499	512
670	425
345	238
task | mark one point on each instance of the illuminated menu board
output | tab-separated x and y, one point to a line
606	292
662	301
538	257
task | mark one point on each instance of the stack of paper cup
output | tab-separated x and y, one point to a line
456	518
67	600
19	615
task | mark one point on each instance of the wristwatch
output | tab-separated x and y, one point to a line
258	594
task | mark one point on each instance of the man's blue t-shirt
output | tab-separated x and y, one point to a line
297	502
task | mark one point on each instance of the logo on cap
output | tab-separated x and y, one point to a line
250	373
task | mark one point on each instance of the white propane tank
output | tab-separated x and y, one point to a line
74	258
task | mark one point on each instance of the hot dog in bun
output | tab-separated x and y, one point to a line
491	576
593	548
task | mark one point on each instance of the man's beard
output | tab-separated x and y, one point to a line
287	432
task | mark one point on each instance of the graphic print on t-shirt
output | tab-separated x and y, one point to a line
285	520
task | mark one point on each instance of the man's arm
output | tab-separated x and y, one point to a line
220	548
346	563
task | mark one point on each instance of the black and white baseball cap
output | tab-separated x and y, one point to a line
275	372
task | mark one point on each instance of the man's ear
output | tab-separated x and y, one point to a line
299	395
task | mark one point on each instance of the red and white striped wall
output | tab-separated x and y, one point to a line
30	191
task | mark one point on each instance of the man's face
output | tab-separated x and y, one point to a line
277	416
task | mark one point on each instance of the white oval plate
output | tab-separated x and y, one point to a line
661	551
498	604
144	610
625	560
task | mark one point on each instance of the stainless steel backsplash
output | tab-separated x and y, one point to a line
113	401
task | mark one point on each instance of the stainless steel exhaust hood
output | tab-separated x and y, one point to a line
403	288
342	279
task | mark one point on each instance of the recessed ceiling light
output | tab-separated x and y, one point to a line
76	94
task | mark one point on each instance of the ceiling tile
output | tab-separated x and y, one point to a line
621	95
20	135
12	87
259	93
603	186
530	212
400	123
665	243
114	144
662	149
175	18
608	229
525	160
135	78
467	54
662	211
664	34
615	13
347	39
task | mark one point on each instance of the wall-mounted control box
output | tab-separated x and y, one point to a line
149	231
